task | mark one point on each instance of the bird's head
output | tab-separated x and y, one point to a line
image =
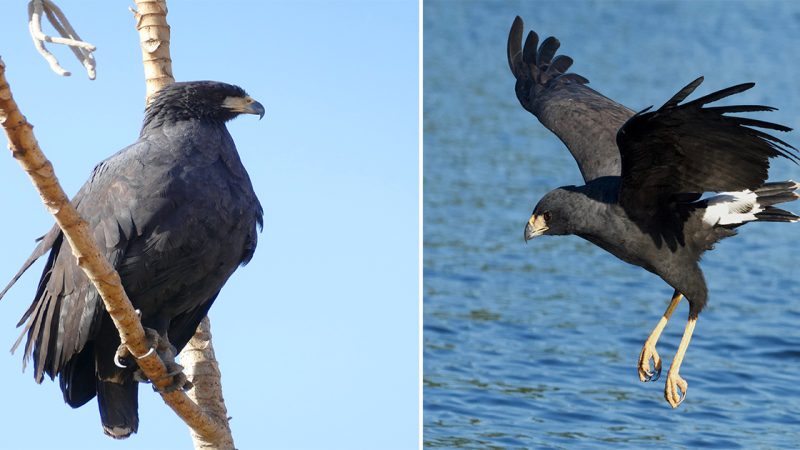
204	100
550	216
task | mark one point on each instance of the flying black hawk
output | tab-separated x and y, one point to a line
645	174
175	214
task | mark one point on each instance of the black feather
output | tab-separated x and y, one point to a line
529	49
546	51
687	148
586	121
513	50
682	94
560	65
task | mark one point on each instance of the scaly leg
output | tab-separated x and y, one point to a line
675	384
649	348
166	351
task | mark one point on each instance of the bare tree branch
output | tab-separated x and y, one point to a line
69	37
203	371
151	22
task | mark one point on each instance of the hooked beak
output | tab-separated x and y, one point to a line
244	105
254	108
257	108
536	226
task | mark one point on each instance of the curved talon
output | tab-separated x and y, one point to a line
645	374
674	387
118	363
657	375
650	376
149	352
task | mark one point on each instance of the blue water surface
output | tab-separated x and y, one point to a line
535	346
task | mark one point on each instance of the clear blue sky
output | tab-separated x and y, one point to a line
317	337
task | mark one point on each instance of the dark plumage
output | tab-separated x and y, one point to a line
645	175
175	213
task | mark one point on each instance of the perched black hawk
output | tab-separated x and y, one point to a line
645	175
175	214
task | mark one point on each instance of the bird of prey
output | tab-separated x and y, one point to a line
175	213
645	176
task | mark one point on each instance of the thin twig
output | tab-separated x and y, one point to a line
69	37
82	50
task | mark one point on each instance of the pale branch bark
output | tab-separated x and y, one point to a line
197	356
154	33
25	149
69	37
203	371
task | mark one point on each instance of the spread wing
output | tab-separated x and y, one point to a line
688	148
676	153
586	121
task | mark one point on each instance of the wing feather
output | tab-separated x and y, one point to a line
529	49
66	307
546	51
687	148
560	65
586	121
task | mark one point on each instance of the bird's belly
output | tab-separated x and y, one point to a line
623	249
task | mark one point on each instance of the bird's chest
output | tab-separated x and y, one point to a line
623	239
203	203
193	225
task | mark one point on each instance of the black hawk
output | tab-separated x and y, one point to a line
175	213
645	176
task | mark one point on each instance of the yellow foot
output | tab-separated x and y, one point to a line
675	389
649	353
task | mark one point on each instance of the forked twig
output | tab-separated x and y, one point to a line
69	37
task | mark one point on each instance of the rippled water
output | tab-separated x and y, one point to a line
535	346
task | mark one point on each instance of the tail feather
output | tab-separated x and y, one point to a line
77	378
774	193
771	214
119	404
737	208
781	192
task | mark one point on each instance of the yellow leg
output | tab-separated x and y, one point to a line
649	348
675	384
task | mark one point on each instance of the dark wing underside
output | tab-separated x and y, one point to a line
682	149
586	121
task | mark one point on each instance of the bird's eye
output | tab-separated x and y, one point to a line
249	100
546	216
